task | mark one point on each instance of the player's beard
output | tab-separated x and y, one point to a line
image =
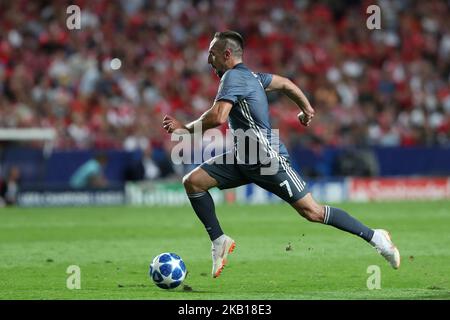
219	72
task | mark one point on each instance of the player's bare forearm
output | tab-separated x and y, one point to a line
207	120
297	95
213	117
291	90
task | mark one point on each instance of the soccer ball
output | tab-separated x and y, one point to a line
167	270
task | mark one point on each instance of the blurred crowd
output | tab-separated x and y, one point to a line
386	87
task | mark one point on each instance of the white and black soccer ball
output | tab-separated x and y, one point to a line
167	270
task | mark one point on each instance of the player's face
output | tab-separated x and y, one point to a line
216	58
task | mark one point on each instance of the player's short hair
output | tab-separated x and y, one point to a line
231	40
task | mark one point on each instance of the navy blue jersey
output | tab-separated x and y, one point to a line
250	112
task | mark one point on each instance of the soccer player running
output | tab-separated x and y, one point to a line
241	99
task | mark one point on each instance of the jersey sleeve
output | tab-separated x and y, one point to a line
230	87
265	78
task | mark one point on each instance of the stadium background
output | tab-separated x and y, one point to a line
382	99
382	96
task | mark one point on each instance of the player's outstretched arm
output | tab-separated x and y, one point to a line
213	117
295	94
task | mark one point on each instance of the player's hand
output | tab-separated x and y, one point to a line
171	124
305	117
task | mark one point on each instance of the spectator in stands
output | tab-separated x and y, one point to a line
90	174
9	189
151	168
386	87
147	165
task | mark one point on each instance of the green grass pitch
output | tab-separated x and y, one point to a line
279	255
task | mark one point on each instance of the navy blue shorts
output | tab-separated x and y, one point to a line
278	177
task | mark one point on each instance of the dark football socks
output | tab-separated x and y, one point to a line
203	205
342	220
